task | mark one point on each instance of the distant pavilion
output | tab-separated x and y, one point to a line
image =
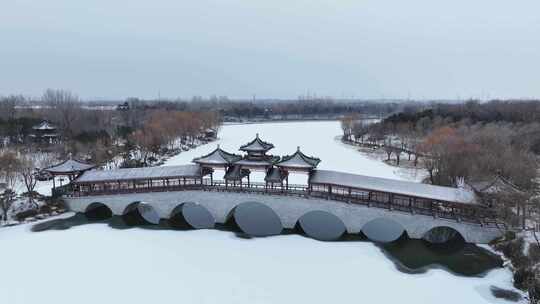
45	132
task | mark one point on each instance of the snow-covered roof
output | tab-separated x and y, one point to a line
257	145
139	173
217	157
298	160
393	186
44	125
498	184
69	166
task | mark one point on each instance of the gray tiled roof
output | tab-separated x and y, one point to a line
393	186
257	145
217	157
140	173
298	160
69	166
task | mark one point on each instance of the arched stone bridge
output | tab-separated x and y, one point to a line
263	214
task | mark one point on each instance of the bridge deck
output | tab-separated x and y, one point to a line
377	199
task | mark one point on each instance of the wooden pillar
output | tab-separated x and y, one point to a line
287	182
212	178
53	183
329	191
390	201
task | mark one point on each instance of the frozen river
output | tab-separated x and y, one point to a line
96	263
317	138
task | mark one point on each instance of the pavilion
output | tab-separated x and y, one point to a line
45	132
256	158
217	159
71	168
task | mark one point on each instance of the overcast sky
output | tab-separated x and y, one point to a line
274	48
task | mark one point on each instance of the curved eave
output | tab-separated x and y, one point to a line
223	158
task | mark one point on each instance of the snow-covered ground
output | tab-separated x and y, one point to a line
98	264
95	263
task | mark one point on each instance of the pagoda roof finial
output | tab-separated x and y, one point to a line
298	148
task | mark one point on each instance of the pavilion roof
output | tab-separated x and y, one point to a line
448	194
69	166
146	173
217	157
257	145
498	184
236	173
44	125
298	161
266	162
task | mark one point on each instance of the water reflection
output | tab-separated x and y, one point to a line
409	255
322	225
383	230
257	219
456	256
192	215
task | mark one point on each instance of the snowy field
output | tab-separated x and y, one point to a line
98	264
95	263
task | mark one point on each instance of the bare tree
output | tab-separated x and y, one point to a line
7	198
9	169
8	106
27	169
65	108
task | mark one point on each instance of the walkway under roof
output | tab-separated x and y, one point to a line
298	161
341	179
275	175
218	157
236	173
146	173
69	167
257	145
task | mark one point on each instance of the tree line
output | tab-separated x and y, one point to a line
471	143
97	133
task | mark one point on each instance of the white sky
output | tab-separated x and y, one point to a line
279	48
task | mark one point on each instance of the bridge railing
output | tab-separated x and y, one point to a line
435	210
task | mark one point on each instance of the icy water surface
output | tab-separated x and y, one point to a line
408	255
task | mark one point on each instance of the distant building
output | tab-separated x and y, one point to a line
45	133
499	188
123	107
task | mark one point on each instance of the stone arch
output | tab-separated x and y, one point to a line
191	215
321	225
443	234
383	230
255	219
140	213
98	211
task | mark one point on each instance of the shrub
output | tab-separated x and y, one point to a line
534	253
21	216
